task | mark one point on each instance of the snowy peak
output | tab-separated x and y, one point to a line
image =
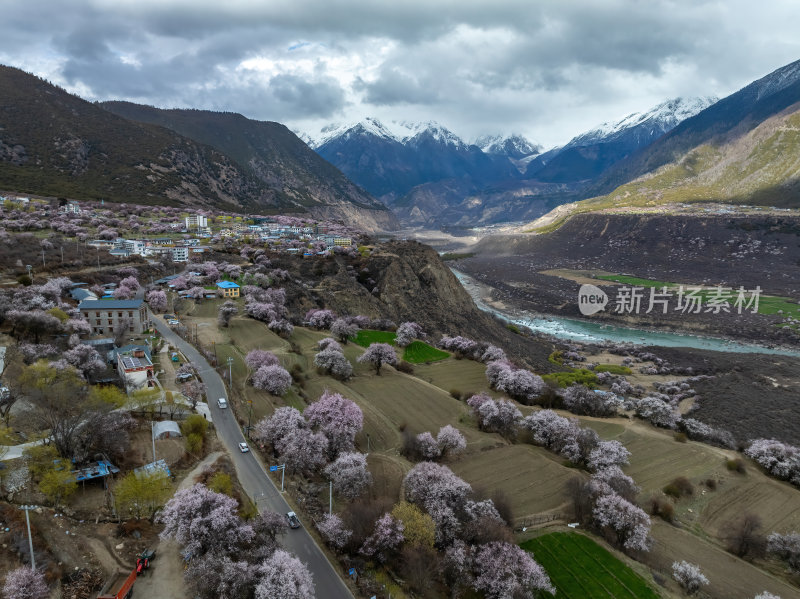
512	146
655	122
404	132
777	80
365	128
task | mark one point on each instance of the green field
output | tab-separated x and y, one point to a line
366	336
419	352
767	304
579	568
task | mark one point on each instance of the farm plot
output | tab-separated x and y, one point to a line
419	352
728	576
465	376
405	400
775	502
387	475
530	477
578	568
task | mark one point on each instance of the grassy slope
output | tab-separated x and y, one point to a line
767	304
759	168
580	568
534	479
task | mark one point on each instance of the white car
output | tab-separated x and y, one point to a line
294	521
243	447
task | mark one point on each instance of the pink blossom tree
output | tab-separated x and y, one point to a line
379	354
157	300
201	520
349	474
608	453
779	459
407	332
492	353
284	576
257	358
333	530
212	576
338	418
85	359
24	583
343	329
500	416
450	440
688	576
278	427
386	538
320	319
304	451
226	312
427	447
630	524
334	362
273	379
281	327
505	570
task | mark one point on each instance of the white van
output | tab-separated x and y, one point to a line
222	402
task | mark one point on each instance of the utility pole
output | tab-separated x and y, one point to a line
153	437
249	416
230	371
27	509
330	498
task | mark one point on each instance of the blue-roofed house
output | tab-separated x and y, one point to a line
228	289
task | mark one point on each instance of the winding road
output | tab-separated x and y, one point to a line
252	476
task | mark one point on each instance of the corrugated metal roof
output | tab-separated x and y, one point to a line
110	304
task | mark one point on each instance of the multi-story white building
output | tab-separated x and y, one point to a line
104	314
180	254
195	221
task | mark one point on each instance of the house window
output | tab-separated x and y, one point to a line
109	322
130	313
130	329
119	314
97	313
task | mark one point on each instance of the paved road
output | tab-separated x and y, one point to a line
252	476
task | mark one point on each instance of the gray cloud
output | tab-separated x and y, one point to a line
548	68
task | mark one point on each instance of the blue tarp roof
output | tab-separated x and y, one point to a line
153	467
99	470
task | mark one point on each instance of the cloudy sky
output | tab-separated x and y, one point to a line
545	68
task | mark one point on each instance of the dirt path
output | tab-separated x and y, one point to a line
164	580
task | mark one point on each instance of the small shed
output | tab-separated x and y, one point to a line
166	429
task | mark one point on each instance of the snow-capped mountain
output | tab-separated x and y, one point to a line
390	159
651	124
513	146
589	154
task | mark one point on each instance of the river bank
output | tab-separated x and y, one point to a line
586	331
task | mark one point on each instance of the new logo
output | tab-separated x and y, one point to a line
591	300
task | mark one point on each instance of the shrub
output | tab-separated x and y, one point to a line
613	369
405	367
661	508
711	484
736	465
680	437
455	394
679	487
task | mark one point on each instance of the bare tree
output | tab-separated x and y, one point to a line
122	331
745	538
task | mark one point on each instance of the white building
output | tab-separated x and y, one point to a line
196	221
135	246
180	254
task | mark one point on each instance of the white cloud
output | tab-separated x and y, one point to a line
549	69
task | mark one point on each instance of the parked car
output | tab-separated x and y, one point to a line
173	322
169	317
222	402
294	522
243	447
